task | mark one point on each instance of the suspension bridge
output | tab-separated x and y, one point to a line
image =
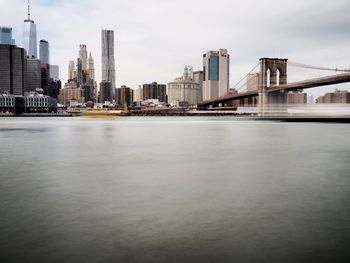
269	86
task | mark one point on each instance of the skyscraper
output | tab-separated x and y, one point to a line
12	69
108	62
71	69
29	36
216	68
6	36
44	51
91	67
33	80
83	56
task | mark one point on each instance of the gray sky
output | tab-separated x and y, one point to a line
155	38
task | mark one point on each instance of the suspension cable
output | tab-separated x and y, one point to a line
245	77
300	65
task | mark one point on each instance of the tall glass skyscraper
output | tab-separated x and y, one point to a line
29	36
6	36
108	62
216	69
44	51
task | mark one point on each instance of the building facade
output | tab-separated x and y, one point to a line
83	56
138	94
6	36
198	77
216	68
155	91
71	69
35	102
44	52
54	72
338	96
184	89
296	98
124	96
108	61
13	67
33	80
105	92
71	92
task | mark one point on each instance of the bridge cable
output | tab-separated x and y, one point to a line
250	72
300	65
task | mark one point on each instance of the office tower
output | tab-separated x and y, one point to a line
138	94
45	78
71	69
198	77
124	95
79	72
184	89
29	36
44	51
83	56
6	36
54	72
12	69
91	67
155	91
105	91
216	68
33	80
108	62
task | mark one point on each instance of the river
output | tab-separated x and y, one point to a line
180	189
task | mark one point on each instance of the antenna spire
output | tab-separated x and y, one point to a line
28	10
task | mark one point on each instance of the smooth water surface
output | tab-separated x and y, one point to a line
173	190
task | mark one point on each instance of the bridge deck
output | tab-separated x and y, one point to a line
306	84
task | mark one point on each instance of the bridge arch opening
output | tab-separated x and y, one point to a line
268	78
278	74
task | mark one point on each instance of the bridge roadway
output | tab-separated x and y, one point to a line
306	84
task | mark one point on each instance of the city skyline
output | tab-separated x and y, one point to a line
151	47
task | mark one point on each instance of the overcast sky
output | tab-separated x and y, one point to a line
154	39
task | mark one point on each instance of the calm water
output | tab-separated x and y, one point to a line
173	190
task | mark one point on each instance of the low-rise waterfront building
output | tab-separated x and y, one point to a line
39	103
338	96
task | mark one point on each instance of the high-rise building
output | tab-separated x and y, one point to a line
198	77
91	67
155	91
108	62
79	72
33	80
44	51
184	89
138	94
54	72
124	95
6	36
83	56
12	69
216	68
71	69
29	36
105	91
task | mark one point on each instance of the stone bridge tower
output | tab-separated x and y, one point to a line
273	72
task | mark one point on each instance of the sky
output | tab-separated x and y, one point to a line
155	39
